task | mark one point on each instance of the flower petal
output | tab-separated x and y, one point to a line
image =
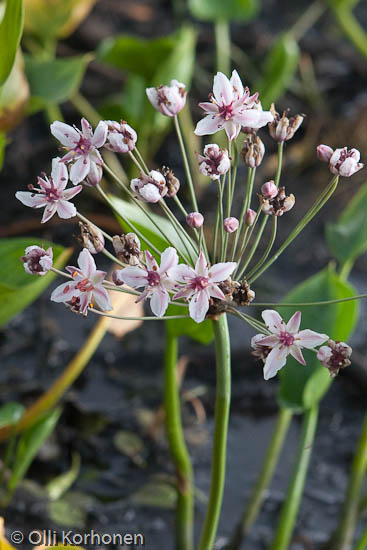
270	341
133	276
184	293
209	125
65	209
86	263
183	273
294	322
34	200
201	266
215	292
273	321
199	306
80	169
276	359
220	272
100	134
50	210
222	89
159	301
151	261
102	299
209	107
66	134
253	118
232	129
59	174
296	352
64	292
309	339
169	260
237	84
70	193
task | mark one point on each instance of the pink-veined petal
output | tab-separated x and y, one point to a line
296	352
66	134
309	339
34	200
183	273
50	210
151	261
86	128
199	306
294	322
276	359
133	276
59	174
209	125
152	95
184	293
237	84
64	292
86	263
102	299
273	320
159	301
269	341
98	277
85	302
215	292
65	209
222	89
253	118
220	272
201	266
80	169
100	134
232	129
209	107
70	193
169	260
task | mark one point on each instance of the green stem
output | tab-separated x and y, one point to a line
362	544
292	501
303	304
178	449
343	538
223	46
319	203
267	471
268	248
221	416
246	203
350	26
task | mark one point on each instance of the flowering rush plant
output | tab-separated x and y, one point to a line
205	275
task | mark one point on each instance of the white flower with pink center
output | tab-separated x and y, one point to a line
156	280
230	108
169	100
82	146
51	194
85	289
345	162
201	284
286	339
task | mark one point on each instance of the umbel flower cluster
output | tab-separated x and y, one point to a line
205	277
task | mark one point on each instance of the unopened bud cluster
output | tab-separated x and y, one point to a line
91	238
253	151
127	248
215	162
274	201
283	128
343	162
335	356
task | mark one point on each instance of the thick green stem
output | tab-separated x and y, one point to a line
259	492
293	497
179	452
362	543
343	538
221	416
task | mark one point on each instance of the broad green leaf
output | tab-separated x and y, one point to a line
231	10
349	24
202	332
62	483
54	80
153	233
135	55
155	494
303	386
17	288
347	238
10	414
11	27
279	69
71	510
29	445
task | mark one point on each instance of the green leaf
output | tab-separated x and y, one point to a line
62	483
29	445
303	386
71	510
17	288
279	69
135	55
54	80
231	10
347	238
148	229
11	28
202	332
10	414
349	23
155	494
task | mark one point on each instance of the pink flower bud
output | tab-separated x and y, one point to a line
169	100
195	220
324	152
230	225
215	162
269	190
345	162
283	128
151	187
335	356
94	176
249	217
121	138
37	260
